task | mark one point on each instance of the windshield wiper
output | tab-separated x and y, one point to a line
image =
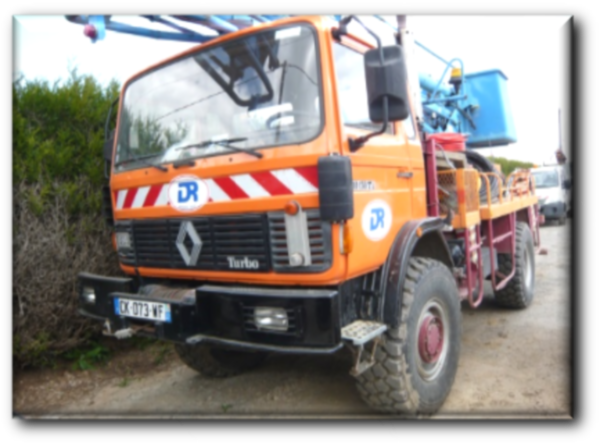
146	163
225	143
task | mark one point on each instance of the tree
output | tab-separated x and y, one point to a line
510	165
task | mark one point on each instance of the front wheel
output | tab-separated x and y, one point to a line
416	365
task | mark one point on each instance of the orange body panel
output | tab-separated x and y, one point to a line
380	160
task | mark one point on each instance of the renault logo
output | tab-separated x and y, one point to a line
187	229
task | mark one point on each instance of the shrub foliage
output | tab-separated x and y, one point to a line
510	165
58	229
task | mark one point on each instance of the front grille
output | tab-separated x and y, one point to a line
241	239
246	243
320	243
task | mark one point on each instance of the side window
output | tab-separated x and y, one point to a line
352	89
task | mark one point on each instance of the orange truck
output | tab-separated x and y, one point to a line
271	191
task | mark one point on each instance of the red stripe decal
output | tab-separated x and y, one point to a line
129	198
310	174
271	184
230	187
152	195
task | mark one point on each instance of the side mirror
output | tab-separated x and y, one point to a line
566	184
386	80
108	146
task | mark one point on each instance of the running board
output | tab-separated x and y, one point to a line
360	332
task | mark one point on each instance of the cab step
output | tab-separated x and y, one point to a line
360	332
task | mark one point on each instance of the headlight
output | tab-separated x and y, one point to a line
123	240
89	295
271	318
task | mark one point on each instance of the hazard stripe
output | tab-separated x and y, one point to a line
249	185
294	181
230	187
129	198
215	192
121	199
310	174
140	197
152	195
163	197
263	184
271	184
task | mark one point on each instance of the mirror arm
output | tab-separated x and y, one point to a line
355	144
342	28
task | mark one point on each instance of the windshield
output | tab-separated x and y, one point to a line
546	179
259	91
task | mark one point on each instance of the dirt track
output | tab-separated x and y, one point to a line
513	363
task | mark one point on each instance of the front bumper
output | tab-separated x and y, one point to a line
555	210
221	314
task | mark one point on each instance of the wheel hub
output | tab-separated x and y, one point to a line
431	339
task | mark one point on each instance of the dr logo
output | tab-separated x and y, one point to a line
187	193
376	220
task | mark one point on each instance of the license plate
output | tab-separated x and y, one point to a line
143	309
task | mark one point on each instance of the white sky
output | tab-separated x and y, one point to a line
528	49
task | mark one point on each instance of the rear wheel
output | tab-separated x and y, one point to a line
518	293
416	365
212	361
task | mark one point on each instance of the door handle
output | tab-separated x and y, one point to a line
406	175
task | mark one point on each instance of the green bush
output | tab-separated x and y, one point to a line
509	165
58	129
58	229
89	357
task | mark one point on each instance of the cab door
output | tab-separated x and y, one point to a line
387	170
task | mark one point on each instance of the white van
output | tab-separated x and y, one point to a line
552	188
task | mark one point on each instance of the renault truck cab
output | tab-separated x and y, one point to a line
271	191
552	189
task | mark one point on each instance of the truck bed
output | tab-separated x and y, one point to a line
460	194
493	211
